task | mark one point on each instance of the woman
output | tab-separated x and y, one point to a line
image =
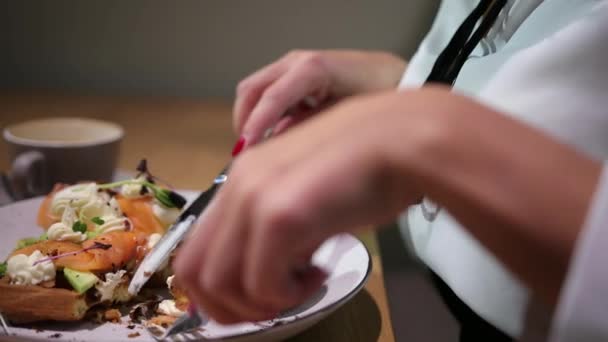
511	155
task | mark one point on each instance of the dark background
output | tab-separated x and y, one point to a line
195	48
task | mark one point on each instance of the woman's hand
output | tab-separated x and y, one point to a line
361	163
304	82
249	257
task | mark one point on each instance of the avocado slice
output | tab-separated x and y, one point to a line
30	241
80	281
43	237
91	234
27	242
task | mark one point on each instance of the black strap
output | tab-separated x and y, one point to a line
445	71
452	58
472	326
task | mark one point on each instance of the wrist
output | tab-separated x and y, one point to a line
421	131
358	72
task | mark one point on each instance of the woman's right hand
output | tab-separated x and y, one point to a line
304	82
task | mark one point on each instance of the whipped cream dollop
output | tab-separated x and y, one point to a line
112	224
106	288
85	202
100	205
134	189
153	240
170	281
62	230
22	271
75	196
168	307
165	215
108	210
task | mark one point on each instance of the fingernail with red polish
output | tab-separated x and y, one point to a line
238	146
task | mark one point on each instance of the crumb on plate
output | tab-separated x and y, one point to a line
163	320
112	315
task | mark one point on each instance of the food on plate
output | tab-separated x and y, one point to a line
93	237
168	310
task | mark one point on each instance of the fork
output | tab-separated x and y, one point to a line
193	319
182	328
4	325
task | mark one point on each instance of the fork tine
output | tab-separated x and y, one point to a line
184	324
4	325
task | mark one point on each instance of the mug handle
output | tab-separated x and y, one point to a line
29	175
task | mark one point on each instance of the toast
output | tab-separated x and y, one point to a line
94	236
30	303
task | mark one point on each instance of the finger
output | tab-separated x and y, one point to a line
210	307
301	112
189	264
302	80
222	281
189	258
311	279
250	90
278	243
220	275
296	117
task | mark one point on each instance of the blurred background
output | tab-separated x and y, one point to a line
193	48
200	49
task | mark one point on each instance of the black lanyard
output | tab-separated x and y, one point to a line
450	61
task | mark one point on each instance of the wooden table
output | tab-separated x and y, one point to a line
188	142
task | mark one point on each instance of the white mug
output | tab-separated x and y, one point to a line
44	152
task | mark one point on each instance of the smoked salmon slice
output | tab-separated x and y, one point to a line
139	211
122	251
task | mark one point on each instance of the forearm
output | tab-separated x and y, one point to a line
521	193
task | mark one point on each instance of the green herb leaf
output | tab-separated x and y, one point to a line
97	220
2	269
79	227
168	198
178	200
164	197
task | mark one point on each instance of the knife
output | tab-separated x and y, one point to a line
175	234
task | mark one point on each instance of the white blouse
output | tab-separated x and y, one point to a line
544	63
582	312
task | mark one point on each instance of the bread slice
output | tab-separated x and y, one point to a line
28	303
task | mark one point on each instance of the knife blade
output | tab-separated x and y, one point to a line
174	235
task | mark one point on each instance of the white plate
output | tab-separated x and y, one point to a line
344	257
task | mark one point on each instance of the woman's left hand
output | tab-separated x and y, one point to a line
249	256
